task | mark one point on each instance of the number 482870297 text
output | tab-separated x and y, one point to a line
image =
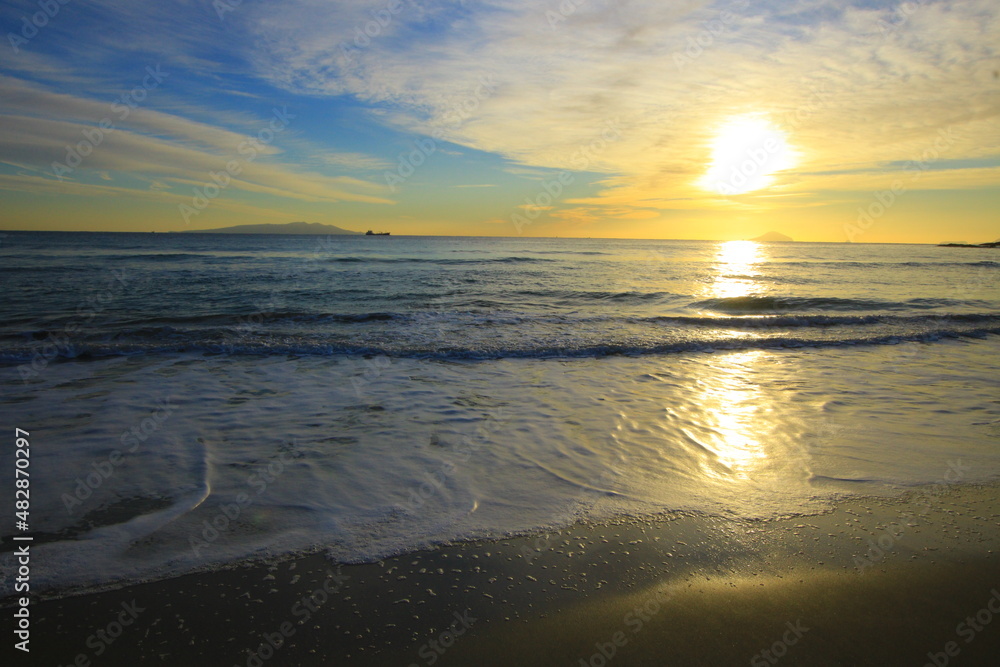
21	493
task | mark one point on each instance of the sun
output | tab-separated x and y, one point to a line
746	151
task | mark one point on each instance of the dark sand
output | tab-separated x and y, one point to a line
683	590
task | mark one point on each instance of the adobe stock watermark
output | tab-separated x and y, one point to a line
712	29
470	445
820	97
634	621
779	649
372	370
544	542
101	640
229	513
433	649
131	439
277	299
121	107
822	431
894	532
302	610
30	26
886	199
60	342
409	162
972	287
967	629
223	7
755	161
563	11
249	149
372	29
900	15
553	190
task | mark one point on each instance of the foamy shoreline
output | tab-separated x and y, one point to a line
732	584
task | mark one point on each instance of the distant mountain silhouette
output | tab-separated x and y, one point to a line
994	244
773	237
287	228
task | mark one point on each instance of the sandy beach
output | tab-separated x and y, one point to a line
873	582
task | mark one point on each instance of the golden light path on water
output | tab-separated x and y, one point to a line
731	398
733	412
736	269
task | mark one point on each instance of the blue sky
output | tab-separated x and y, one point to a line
572	118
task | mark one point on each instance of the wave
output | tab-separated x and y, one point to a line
585	295
234	343
567	252
227	323
756	304
985	262
432	260
774	279
881	265
45	263
794	321
258	317
172	257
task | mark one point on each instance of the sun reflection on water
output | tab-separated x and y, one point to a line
732	399
736	269
734	403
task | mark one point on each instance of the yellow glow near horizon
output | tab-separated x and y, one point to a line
746	151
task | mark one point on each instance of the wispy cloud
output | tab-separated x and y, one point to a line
828	74
41	128
519	87
355	161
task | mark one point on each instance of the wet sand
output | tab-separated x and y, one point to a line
872	582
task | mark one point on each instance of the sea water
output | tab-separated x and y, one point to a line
194	400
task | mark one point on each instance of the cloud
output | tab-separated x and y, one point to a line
632	92
49	187
19	96
848	91
355	161
43	129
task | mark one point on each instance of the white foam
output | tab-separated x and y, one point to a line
364	460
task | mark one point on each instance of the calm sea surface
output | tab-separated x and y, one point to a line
196	399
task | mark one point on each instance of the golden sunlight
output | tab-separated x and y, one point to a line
746	151
736	270
740	255
735	403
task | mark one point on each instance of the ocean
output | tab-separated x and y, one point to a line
197	400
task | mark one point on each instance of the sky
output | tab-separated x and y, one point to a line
824	120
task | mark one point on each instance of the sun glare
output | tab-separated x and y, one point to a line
736	270
733	430
746	151
741	255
